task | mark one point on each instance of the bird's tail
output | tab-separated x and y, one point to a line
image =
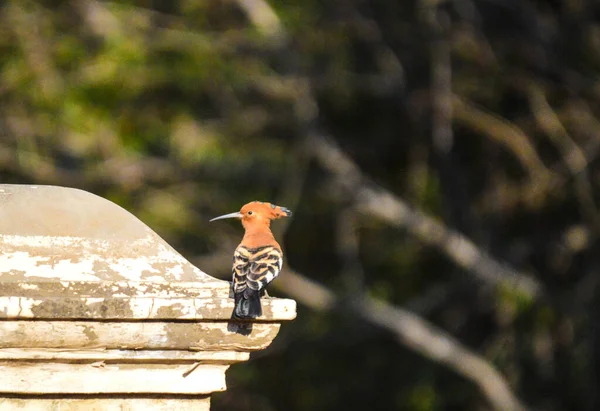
247	304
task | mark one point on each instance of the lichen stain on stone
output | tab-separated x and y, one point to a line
79	308
111	308
170	311
110	290
10	288
12	275
89	333
64	308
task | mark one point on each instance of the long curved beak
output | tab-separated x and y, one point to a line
230	215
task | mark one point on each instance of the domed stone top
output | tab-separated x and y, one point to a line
52	233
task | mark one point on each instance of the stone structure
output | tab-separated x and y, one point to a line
98	312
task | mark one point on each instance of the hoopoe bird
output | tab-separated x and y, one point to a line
258	259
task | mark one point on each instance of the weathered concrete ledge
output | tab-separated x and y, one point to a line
96	310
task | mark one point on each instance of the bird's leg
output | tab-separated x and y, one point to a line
264	293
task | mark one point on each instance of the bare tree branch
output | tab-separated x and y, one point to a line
374	200
505	133
263	17
572	155
414	332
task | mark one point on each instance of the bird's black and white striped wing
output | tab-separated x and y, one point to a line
255	268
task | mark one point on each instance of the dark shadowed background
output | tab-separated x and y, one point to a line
440	157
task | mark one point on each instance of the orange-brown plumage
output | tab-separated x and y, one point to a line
256	220
257	259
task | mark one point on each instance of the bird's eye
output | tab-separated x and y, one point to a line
249	212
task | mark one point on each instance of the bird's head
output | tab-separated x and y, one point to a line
258	212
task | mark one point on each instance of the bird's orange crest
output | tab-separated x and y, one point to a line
258	210
258	213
